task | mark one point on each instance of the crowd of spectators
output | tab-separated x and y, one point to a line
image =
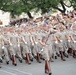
47	20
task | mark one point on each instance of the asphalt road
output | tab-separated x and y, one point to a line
58	67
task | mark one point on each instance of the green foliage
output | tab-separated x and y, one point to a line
73	3
16	7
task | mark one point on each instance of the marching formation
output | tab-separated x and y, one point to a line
48	42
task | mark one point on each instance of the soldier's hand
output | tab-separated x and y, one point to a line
3	47
36	42
56	42
61	40
74	41
18	45
26	43
10	44
32	44
69	40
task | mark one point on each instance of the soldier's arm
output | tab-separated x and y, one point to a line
24	40
42	43
52	31
2	42
9	41
32	40
55	38
71	37
67	37
18	41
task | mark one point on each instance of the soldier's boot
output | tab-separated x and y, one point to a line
20	60
38	58
74	53
28	58
31	57
46	70
7	59
51	59
14	60
1	61
47	67
7	62
58	54
70	51
3	56
62	56
0	66
41	57
55	57
10	57
66	54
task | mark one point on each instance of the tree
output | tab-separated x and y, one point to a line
46	5
16	7
73	3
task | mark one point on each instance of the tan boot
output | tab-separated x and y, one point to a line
47	67
14	60
28	58
38	58
74	53
62	56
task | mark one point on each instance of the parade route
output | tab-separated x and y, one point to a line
37	37
10	71
59	67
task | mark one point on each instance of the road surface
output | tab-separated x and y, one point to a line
58	67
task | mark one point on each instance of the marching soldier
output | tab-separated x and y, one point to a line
17	46
73	38
50	43
46	53
59	45
25	47
11	51
14	47
3	49
69	42
63	39
36	48
0	48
